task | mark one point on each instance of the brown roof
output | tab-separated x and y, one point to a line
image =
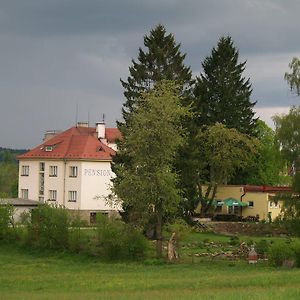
75	143
267	189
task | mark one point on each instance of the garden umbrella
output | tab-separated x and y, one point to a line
234	202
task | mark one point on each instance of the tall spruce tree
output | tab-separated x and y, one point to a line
162	60
221	92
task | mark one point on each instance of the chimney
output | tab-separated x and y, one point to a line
100	129
82	124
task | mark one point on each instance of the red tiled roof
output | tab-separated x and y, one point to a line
76	143
112	134
267	189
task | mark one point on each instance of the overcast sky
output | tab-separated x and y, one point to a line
57	54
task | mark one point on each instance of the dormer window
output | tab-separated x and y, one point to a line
49	148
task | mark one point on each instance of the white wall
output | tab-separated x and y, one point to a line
95	185
92	184
30	182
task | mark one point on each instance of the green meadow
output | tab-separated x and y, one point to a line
40	275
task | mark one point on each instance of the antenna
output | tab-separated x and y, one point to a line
88	118
103	118
76	115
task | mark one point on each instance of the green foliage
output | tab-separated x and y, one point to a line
149	184
6	221
48	227
234	240
293	78
287	128
279	252
267	165
8	179
117	240
262	247
161	60
222	94
224	150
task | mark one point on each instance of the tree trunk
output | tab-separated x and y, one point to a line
159	245
172	253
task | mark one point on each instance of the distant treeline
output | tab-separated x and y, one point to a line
10	155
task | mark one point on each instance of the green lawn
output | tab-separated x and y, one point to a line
27	275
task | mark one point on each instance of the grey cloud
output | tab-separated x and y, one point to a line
57	53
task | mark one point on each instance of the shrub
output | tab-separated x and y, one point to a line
77	239
116	240
262	247
48	227
279	252
6	222
234	240
296	248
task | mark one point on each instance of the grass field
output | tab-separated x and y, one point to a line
29	275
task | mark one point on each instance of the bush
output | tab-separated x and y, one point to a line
116	240
262	248
48	227
77	239
6	222
296	248
279	252
234	240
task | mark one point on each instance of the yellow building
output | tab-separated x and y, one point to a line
258	200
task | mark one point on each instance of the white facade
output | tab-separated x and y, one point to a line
89	186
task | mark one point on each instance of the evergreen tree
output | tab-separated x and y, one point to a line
162	60
221	93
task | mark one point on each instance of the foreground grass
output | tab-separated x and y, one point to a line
27	275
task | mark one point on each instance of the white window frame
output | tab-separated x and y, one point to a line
25	170
73	171
24	194
72	196
53	171
52	195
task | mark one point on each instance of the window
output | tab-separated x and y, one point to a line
72	196
53	171
42	166
274	204
73	171
48	148
24	193
52	195
41	183
219	206
25	171
41	199
250	203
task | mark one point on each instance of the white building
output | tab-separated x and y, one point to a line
71	168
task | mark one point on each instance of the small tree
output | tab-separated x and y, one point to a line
148	183
287	129
223	151
293	78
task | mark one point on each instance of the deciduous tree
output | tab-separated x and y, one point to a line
223	151
293	78
149	183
